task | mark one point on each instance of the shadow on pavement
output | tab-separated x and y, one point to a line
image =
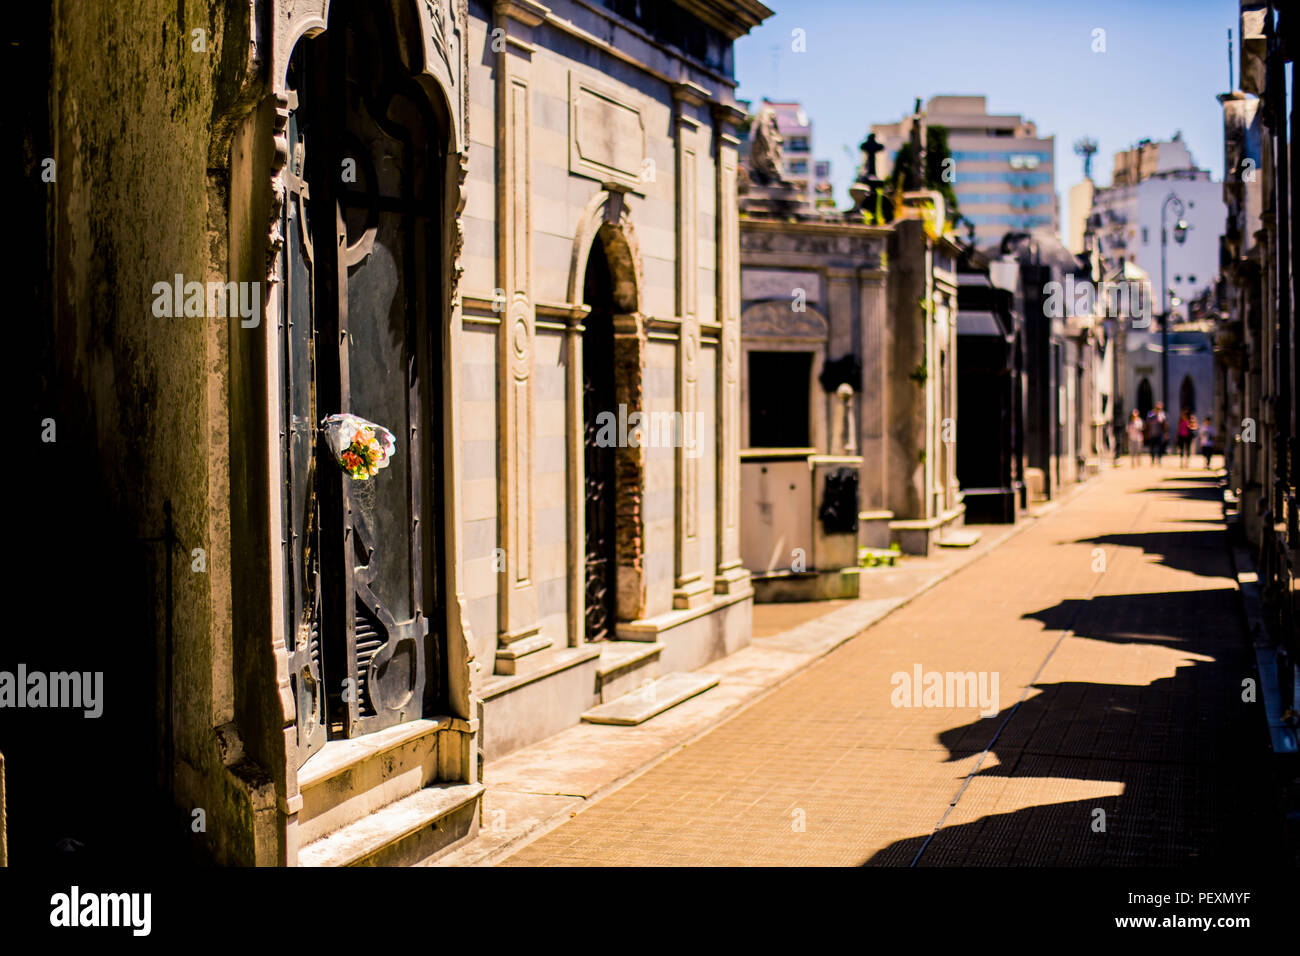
1188	753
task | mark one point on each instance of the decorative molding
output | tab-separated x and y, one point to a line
519	642
775	318
791	239
606	135
730	577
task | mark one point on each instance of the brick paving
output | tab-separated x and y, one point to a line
1120	736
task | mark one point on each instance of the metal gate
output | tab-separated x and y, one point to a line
600	445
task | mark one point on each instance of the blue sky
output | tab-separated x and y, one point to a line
866	61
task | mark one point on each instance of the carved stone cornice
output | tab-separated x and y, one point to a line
733	18
528	12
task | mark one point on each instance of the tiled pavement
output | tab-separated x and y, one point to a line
1120	736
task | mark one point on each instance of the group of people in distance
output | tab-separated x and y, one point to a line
1152	433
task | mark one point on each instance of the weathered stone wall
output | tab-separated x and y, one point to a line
142	113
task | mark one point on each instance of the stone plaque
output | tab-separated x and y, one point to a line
606	136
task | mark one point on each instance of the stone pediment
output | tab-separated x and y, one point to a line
775	319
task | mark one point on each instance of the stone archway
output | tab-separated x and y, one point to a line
605	280
1187	395
1145	397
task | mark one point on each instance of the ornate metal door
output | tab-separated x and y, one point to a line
599	457
300	516
364	272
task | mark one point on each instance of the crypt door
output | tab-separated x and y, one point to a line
359	334
601	484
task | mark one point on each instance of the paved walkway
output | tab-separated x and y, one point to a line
1118	736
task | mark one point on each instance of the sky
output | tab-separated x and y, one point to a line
866	61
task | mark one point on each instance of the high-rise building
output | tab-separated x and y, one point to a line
1003	171
1126	218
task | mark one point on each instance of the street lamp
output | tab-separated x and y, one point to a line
1180	236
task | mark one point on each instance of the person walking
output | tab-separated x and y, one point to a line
1157	433
1136	435
1184	437
1206	436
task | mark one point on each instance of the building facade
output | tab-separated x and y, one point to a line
493	232
1149	184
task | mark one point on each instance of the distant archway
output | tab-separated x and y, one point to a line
612	371
1187	395
1145	398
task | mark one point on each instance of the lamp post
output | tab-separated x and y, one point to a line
1180	235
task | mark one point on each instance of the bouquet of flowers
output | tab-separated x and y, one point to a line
360	447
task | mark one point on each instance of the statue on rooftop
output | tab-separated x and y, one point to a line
766	157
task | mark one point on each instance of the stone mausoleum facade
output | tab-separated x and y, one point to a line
849	377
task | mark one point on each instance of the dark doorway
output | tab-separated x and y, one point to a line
778	399
1145	398
600	442
362	323
1187	395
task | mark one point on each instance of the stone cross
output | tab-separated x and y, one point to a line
869	148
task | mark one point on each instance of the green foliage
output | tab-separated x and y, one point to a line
876	558
936	151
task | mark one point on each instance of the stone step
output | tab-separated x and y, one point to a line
625	666
651	700
350	778
415	829
959	538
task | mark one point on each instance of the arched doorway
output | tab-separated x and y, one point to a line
362	291
613	358
1145	399
599	462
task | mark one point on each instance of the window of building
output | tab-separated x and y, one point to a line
1145	235
778	399
797	144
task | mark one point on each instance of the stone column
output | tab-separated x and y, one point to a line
690	588
873	407
518	627
575	444
731	576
